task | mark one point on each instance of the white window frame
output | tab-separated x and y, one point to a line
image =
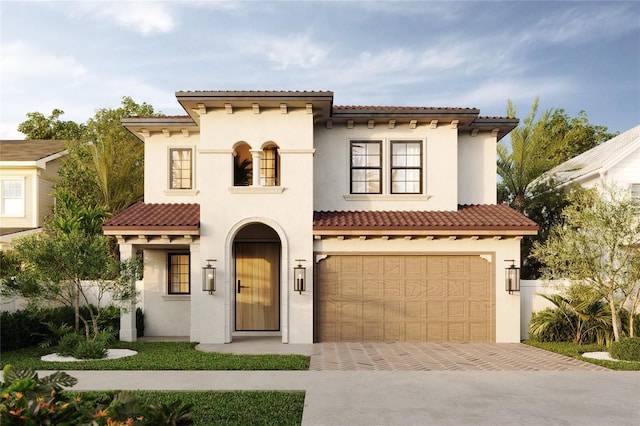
22	181
181	191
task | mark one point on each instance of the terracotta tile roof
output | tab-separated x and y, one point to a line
497	217
29	150
147	216
255	92
399	108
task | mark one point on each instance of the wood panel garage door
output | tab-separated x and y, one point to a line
404	298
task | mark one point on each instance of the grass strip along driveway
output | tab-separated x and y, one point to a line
159	356
226	408
209	407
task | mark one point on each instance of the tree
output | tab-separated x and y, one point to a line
110	157
598	247
576	135
105	164
526	159
535	147
539	145
39	127
70	262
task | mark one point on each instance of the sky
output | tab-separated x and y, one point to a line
83	56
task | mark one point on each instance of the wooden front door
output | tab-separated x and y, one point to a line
257	286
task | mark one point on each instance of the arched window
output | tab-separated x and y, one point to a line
243	166
270	166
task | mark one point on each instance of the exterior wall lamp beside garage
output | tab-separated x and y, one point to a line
209	277
299	275
512	277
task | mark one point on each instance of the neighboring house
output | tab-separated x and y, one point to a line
615	161
392	211
28	169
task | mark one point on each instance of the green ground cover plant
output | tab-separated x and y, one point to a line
227	407
576	351
159	356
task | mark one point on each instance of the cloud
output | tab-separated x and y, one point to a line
33	79
585	24
146	18
27	69
295	51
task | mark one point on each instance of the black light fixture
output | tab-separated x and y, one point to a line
299	275
512	277
209	277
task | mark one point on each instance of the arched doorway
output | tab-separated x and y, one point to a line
256	253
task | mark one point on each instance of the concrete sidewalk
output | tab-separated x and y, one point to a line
417	397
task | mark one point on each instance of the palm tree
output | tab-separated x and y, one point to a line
529	155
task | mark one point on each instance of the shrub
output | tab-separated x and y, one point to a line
68	344
90	349
550	325
139	322
31	327
30	400
627	348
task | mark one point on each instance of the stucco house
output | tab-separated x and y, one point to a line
616	161
28	169
323	222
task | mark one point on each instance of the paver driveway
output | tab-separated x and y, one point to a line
402	356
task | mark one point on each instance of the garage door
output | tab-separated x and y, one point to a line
404	298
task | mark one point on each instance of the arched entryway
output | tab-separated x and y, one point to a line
257	264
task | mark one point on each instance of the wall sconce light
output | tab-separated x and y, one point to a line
512	277
299	275
209	277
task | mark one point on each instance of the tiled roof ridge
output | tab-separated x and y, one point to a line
254	91
401	108
162	116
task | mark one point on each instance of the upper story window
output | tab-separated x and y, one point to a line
270	166
366	167
179	276
242	166
406	167
181	168
12	197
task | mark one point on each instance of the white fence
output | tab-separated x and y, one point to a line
531	302
12	304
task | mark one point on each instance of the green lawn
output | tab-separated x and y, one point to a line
229	408
576	351
160	356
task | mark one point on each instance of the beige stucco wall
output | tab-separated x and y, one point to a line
164	314
331	178
497	251
225	209
477	168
